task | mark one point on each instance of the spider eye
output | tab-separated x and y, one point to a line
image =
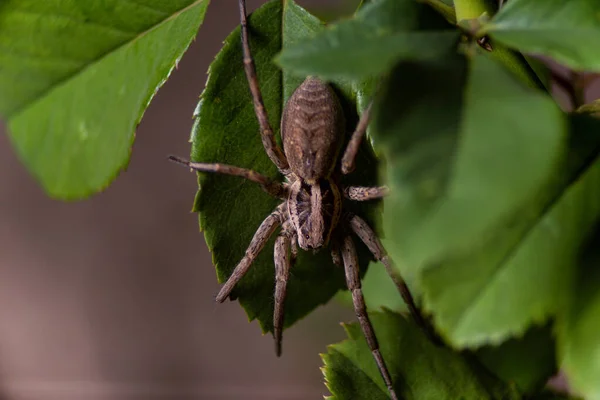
307	236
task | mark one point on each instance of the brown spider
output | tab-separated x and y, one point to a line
311	214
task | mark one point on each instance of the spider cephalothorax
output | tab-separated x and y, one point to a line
311	215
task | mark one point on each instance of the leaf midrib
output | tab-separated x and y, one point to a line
99	59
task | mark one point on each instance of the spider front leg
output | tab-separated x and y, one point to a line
350	259
266	132
262	235
282	274
270	186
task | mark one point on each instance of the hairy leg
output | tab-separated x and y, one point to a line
364	193
353	281
262	235
354	144
270	186
266	132
282	274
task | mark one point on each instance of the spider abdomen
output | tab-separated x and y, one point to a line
312	128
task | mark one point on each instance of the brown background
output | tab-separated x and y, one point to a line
112	298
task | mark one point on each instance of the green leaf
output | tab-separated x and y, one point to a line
579	342
80	75
567	31
226	131
382	33
419	369
471	173
527	362
444	8
550	395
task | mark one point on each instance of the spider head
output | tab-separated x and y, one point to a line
314	210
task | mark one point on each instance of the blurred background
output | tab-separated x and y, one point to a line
112	298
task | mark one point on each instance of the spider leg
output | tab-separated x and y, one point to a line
370	239
262	235
364	193
282	274
353	145
270	186
353	281
266	132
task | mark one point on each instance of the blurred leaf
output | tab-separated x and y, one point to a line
472	172
382	33
550	395
77	77
567	31
579	340
527	362
592	108
474	9
226	131
419	369
331	12
444	8
541	70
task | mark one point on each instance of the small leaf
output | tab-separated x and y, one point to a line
382	33
567	31
80	75
419	369
227	131
579	341
471	174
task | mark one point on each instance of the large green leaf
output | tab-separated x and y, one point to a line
381	33
567	31
76	77
227	131
420	370
579	341
471	173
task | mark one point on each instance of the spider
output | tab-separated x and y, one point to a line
311	215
